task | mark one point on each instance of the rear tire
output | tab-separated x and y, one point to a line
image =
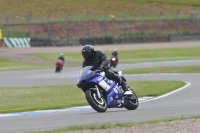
97	104
132	103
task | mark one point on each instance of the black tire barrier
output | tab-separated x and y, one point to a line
186	37
82	41
40	42
96	40
109	40
141	39
99	40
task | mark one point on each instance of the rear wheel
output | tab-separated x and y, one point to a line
98	104
132	101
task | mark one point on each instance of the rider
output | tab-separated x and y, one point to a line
61	57
115	54
99	61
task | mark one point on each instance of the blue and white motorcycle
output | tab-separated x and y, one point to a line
102	93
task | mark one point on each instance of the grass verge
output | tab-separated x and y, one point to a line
18	99
8	65
59	8
107	126
136	55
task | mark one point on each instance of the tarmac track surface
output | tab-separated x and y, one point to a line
185	102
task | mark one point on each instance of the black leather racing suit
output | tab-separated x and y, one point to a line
100	59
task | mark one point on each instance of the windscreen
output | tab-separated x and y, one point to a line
84	70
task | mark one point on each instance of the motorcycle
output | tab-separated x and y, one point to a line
102	93
113	61
59	66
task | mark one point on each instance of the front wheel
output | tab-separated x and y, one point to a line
111	64
132	101
56	70
98	104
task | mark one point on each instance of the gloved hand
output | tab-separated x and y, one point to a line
101	68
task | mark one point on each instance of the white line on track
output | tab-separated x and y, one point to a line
141	100
57	110
170	93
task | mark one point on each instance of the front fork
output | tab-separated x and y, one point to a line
97	90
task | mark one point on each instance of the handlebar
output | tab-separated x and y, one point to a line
98	71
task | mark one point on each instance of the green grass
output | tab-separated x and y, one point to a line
179	2
69	57
156	32
172	69
108	126
14	99
39	8
7	65
154	88
159	54
137	55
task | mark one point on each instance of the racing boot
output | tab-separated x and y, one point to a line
127	92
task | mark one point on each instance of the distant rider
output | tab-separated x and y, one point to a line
115	54
99	61
61	57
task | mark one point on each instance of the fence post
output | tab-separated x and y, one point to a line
88	26
48	27
124	22
194	21
177	27
8	24
28	24
105	24
141	22
160	22
68	30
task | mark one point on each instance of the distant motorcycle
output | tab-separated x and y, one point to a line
102	93
59	66
113	61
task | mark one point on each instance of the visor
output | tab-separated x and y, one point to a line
86	55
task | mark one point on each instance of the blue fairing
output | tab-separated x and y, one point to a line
116	94
113	92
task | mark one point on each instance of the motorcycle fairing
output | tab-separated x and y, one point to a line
113	96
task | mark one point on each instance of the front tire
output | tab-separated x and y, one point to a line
97	104
132	102
111	64
56	70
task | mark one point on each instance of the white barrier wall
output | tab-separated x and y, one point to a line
16	42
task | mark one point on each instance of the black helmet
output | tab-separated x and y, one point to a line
87	51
